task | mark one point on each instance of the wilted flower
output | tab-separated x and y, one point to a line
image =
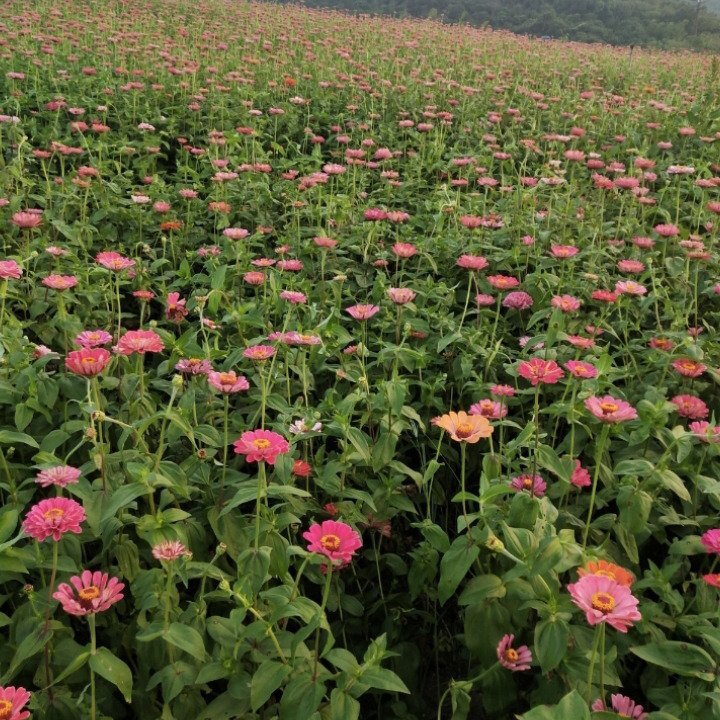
513	659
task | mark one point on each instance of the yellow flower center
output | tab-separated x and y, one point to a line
511	655
527	482
227	379
261	443
5	709
603	602
93	336
580	370
608	407
54	514
330	542
88	360
194	362
89	593
486	405
464	430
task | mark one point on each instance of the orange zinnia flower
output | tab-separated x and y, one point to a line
465	428
601	567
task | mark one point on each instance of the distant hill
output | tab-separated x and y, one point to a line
670	24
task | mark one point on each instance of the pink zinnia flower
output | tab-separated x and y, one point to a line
59	476
88	362
580	477
362	312
503	282
90	593
563	251
610	409
629	287
255	277
539	370
400	296
27	220
54	517
60	282
144	295
517	300
502	390
512	659
336	540
325	242
194	366
139	341
227	382
12	702
114	261
604	600
534	484
259	352
10	269
623	706
667	230
605	296
93	338
713	579
261	446
631	266
488	408
175	309
294	297
170	550
404	250
484	300
704	431
581	369
711	541
567	303
689	368
292	265
235	233
690	406
472	262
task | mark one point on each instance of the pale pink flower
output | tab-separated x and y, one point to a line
689	406
294	297
170	550
10	269
629	287
59	476
362	312
472	262
605	601
93	338
610	409
623	706
400	296
114	261
404	250
27	220
566	303
484	300
227	382
194	366
259	352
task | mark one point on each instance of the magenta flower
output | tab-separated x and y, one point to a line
194	366
623	706
93	338
227	382
259	352
9	269
60	282
535	485
139	341
12	702
261	446
517	300
88	362
581	369
59	476
175	309
513	659
538	370
580	477
362	312
114	261
711	541
605	601
170	550
89	593
610	409
54	517
336	540
629	287
488	408
689	406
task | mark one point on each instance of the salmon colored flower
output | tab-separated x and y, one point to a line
609	570
227	382
139	341
60	282
170	550
689	406
261	446
605	601
91	592
12	702
88	362
538	370
301	469
114	261
581	370
463	427
566	303
362	312
513	659
54	517
27	220
9	269
472	262
336	540
689	368
610	409
259	352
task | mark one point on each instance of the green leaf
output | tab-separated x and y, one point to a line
571	707
551	638
360	442
680	658
481	588
74	666
672	482
383	679
186	638
8	523
121	498
384	450
114	670
454	566
343	706
266	680
11	437
30	645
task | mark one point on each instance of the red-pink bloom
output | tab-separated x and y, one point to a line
517	300
139	341
484	300
711	541
581	369
539	370
563	251
629	287
90	593
472	262
713	579
194	366
503	282
580	342
502	390
12	702
227	382
704	431
293	297
259	352
54	517
605	296
610	409
605	601
534	484
261	446
689	368
88	362
114	261
662	344
513	659
175	309
404	250
580	477
667	230
567	303
255	277
623	706
689	406
400	296
59	476
170	550
93	338
10	269
488	408
144	295
362	312
27	220
60	282
335	540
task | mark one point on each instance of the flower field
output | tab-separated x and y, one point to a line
354	368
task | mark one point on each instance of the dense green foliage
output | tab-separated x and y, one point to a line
660	23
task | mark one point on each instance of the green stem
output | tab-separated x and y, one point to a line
225	444
602	663
537	438
598	457
326	594
93	651
592	660
261	487
462	484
